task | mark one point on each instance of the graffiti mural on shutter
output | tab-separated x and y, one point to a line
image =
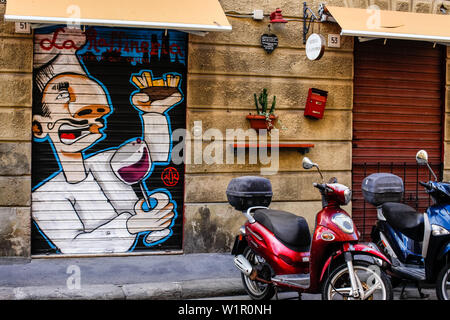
105	103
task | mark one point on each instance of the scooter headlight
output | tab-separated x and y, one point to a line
437	230
344	222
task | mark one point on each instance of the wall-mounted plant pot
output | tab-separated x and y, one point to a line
261	122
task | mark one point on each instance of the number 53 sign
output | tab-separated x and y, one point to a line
334	41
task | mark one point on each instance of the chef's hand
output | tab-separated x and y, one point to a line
142	101
156	219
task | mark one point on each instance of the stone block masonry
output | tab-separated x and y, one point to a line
16	59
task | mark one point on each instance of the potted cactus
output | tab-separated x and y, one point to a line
264	117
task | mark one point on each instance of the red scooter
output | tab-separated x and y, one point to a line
274	249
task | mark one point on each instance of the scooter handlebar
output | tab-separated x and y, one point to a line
320	186
425	184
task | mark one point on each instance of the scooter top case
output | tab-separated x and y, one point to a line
249	191
379	188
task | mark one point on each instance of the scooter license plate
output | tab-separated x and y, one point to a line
239	245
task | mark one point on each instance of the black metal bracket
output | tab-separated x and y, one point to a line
308	14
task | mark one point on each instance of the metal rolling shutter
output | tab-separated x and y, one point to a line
99	148
397	110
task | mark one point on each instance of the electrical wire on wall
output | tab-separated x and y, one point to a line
309	18
236	14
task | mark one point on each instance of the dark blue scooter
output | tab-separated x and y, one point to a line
417	244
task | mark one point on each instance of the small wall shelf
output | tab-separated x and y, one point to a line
303	148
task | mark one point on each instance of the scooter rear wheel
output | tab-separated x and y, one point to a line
374	282
255	289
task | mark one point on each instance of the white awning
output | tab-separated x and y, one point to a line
392	24
196	15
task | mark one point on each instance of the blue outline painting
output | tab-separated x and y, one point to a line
105	102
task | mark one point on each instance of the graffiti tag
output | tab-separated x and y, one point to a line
49	44
118	41
170	176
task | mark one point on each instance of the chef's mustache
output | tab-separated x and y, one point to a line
51	125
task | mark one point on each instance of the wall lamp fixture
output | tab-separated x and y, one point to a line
277	20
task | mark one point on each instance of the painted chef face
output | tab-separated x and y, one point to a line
74	109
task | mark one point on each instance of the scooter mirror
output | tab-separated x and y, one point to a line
308	164
422	157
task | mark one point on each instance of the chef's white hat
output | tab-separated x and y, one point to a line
55	53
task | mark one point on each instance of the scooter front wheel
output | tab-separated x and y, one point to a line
443	283
256	289
372	282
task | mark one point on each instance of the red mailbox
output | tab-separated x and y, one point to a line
315	104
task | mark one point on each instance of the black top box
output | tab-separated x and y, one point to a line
379	188
249	191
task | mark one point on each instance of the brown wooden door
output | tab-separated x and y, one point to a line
397	111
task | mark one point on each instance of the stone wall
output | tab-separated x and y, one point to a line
224	71
16	58
421	6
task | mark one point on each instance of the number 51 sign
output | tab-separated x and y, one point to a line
23	27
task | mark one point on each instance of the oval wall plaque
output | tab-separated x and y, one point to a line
315	46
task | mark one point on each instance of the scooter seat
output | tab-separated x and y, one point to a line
405	219
291	230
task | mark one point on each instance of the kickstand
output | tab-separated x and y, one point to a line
276	293
402	294
299	295
422	295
